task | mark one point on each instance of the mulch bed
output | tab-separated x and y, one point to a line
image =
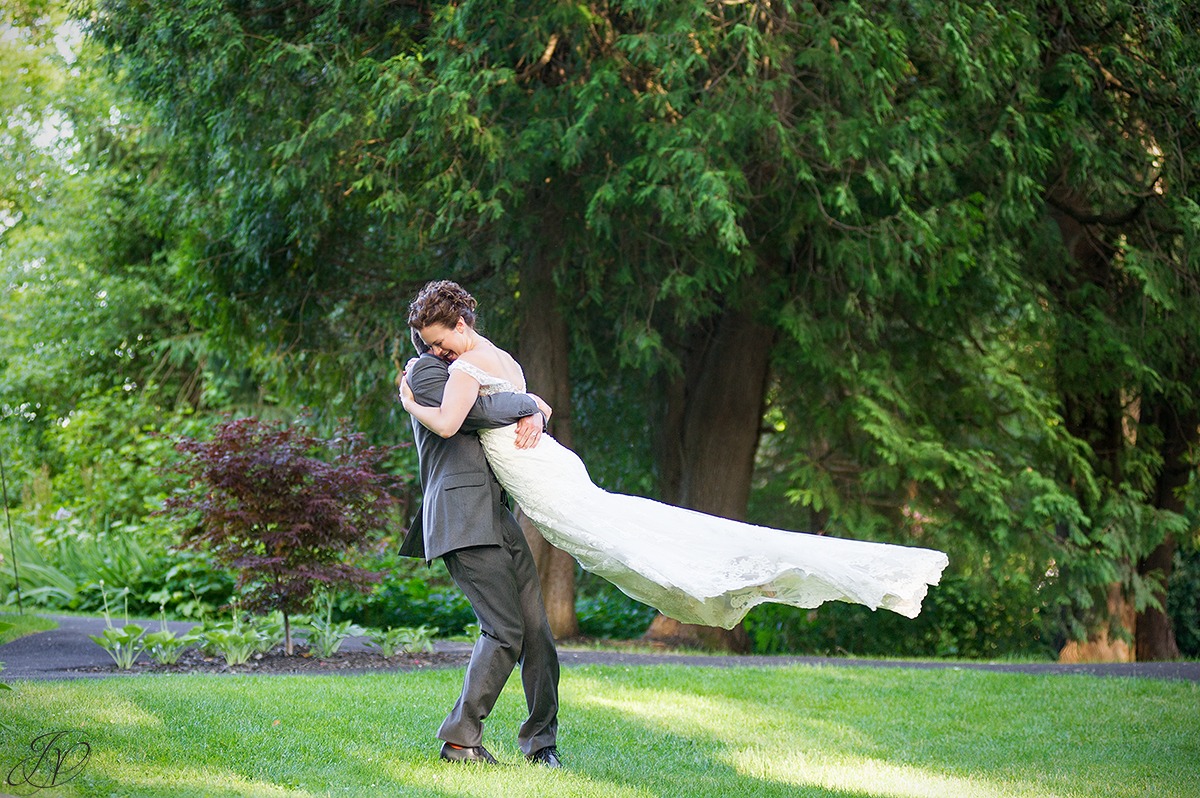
300	662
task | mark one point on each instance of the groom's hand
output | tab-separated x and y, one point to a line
529	431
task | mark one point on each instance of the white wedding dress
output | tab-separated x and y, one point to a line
694	567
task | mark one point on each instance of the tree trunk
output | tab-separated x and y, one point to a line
710	433
1155	638
1155	635
1100	646
1093	414
542	349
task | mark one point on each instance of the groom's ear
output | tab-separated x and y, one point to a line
417	342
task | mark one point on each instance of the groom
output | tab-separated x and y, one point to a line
464	521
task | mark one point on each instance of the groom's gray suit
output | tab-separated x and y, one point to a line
464	521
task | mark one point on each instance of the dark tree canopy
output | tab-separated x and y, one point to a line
923	270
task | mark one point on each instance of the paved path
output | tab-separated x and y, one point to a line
66	653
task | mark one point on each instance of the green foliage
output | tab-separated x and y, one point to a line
164	646
89	370
404	639
123	644
325	636
271	122
116	453
411	594
607	613
970	228
272	630
93	516
5	628
236	640
236	645
61	567
961	618
1183	603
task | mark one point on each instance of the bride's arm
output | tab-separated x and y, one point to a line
428	379
457	400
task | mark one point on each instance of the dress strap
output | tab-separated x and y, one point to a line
488	382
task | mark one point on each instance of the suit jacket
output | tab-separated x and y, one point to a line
462	504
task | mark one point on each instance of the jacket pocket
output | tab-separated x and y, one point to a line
473	479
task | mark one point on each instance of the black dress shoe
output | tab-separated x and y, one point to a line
547	756
477	754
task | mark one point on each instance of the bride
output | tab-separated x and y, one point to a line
693	567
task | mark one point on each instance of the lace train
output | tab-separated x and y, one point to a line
694	567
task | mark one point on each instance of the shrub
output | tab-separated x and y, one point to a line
123	644
325	635
411	594
960	618
1183	602
89	513
164	646
284	508
605	612
236	642
405	639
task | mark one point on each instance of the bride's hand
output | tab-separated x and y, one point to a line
406	392
529	432
401	373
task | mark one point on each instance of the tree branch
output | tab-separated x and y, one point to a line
547	54
1105	219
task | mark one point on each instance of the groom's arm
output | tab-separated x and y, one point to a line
428	377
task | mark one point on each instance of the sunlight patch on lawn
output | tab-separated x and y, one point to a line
124	713
71	708
207	781
718	718
512	778
681	713
870	776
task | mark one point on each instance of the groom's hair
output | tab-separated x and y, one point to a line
418	342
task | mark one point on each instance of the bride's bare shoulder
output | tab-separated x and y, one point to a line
481	358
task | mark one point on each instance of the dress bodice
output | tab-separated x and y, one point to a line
488	383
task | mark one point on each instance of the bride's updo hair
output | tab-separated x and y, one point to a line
441	302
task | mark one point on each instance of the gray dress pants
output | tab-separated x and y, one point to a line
501	582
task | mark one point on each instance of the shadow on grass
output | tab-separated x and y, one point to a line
809	732
831	731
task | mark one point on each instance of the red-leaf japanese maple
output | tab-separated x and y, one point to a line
286	509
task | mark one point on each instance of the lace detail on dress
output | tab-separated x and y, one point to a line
488	383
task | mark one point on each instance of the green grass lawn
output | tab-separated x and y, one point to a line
22	625
626	731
